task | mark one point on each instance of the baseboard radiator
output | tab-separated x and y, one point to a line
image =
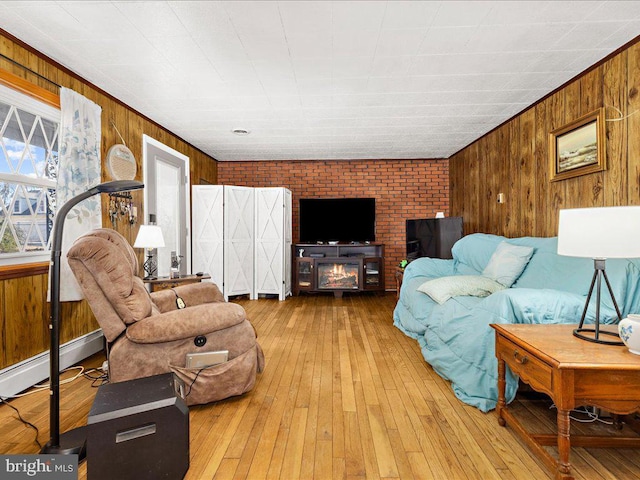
19	377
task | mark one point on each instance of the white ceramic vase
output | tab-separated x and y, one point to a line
629	330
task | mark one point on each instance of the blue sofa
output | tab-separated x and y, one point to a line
455	336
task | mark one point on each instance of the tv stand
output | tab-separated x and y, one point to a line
338	268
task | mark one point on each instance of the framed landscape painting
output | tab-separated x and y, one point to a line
578	148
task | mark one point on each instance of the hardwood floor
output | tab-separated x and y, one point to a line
344	395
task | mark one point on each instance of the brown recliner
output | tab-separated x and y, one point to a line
148	335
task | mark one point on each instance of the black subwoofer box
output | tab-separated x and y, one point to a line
139	429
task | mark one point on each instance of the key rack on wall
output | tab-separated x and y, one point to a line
121	207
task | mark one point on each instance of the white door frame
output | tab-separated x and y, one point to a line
146	141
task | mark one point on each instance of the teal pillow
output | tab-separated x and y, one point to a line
443	288
507	263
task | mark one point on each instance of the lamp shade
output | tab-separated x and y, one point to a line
149	236
605	232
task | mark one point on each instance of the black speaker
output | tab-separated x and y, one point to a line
139	429
432	237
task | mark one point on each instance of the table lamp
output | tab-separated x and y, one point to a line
149	237
73	441
599	233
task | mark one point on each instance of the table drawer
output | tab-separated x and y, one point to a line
174	283
529	367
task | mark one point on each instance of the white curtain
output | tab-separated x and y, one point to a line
78	170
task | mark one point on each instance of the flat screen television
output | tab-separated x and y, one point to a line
337	220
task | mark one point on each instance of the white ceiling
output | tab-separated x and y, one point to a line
325	79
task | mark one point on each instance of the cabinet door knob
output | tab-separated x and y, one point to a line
521	359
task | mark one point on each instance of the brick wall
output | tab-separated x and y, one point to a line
403	189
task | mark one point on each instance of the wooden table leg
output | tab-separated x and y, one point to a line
618	422
564	445
501	392
399	275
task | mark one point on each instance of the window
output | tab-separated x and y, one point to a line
29	132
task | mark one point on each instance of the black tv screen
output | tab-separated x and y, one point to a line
337	220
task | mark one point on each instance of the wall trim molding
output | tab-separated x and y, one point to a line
23	270
25	374
27	88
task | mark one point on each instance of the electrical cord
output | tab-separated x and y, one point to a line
103	378
45	386
194	381
25	422
622	116
591	417
96	380
196	377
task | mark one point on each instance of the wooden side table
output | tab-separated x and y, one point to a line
399	277
573	373
162	283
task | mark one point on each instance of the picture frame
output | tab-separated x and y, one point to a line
578	147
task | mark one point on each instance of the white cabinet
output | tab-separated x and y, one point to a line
242	238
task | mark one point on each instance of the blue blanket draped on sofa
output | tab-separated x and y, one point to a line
455	337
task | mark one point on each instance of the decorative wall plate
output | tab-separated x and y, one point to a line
121	164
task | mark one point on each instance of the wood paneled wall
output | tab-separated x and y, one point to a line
24	313
513	159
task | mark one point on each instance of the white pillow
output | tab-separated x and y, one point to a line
507	263
443	288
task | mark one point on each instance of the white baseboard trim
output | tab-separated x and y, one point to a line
19	377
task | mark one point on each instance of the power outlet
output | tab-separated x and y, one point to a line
105	366
501	198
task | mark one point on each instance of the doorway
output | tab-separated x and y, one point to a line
167	197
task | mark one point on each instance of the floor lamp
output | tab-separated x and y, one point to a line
72	442
599	233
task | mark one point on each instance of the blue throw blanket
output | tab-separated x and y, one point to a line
456	338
